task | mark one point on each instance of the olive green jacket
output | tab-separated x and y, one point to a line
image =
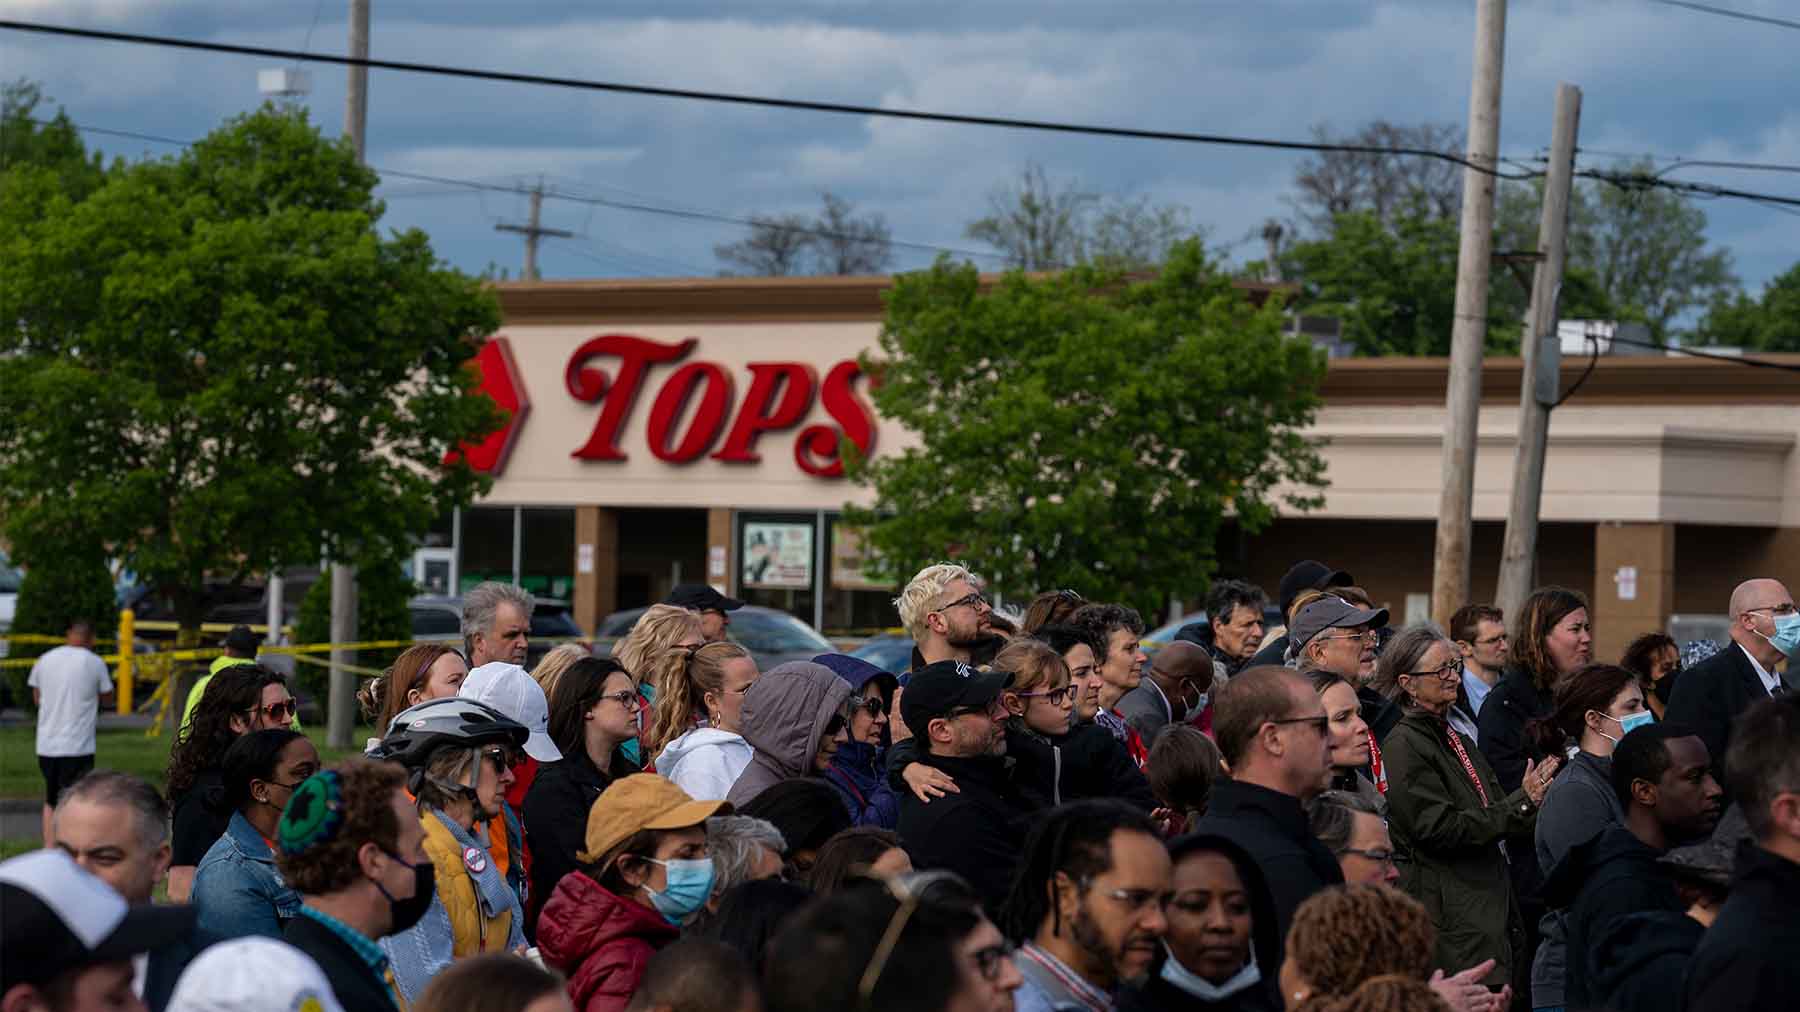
1448	845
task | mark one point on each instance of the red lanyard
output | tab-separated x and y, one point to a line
1468	767
1376	770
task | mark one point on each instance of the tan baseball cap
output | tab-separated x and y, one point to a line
639	802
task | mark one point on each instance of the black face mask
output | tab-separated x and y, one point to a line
407	912
1664	689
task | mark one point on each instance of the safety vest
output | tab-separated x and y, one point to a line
473	932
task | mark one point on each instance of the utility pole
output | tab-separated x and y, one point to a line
1543	355
1462	400
533	231
340	710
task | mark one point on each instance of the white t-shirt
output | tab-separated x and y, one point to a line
70	682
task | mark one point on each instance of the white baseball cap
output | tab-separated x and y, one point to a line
507	688
253	974
55	918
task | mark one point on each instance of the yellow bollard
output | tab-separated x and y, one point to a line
126	670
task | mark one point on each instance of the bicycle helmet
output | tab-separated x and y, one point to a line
418	732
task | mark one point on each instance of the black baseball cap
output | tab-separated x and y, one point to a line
1309	575
241	639
937	688
56	918
701	597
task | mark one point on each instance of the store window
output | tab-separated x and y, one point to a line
547	552
855	602
487	546
777	561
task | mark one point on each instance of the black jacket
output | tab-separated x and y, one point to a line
1377	711
1273	827
1599	883
1273	652
555	819
1088	762
356	987
1711	694
976	833
1514	703
1749	960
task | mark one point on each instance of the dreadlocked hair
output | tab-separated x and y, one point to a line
682	695
1349	934
1074	840
1389	992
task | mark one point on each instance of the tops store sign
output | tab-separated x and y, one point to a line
614	370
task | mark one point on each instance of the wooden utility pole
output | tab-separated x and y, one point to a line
533	231
1543	354
340	709
1462	401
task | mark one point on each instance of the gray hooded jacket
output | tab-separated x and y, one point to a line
785	712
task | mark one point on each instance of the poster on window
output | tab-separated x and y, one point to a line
850	559
777	556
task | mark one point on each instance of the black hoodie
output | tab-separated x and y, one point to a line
1600	884
1158	995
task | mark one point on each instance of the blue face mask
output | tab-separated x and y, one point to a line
1628	723
1787	634
1198	986
688	888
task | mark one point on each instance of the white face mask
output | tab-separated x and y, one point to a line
1192	983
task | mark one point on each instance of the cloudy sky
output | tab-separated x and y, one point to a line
1656	79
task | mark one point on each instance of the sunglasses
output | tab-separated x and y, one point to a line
872	704
503	758
283	710
977	600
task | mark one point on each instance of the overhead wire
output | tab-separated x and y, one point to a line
764	101
1726	12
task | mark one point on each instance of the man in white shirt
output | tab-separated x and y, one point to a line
69	685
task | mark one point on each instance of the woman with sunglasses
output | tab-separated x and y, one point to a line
592	716
1448	814
857	771
459	756
237	891
694	729
239	699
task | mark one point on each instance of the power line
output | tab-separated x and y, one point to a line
733	98
622	205
1715	356
1646	181
1725	12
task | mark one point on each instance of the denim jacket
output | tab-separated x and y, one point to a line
237	891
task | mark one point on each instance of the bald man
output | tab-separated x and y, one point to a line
1710	695
1178	674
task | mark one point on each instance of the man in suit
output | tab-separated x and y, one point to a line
1710	695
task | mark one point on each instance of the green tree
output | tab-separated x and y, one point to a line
1770	322
838	241
383	590
28	139
216	364
1643	248
1042	225
1085	430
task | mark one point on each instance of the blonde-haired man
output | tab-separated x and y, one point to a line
942	607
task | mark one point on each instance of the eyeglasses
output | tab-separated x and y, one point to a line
1382	857
872	704
626	699
1366	636
993	709
1135	900
283	710
977	601
988	961
1445	673
910	891
1057	697
1321	723
1785	608
1491	640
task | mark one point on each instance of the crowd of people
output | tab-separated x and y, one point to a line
1038	815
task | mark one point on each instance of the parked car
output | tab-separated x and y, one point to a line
436	619
771	635
891	652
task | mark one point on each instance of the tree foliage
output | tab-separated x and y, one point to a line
216	364
1081	430
837	241
1390	187
1041	225
1769	322
54	145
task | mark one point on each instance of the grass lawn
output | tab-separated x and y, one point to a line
122	749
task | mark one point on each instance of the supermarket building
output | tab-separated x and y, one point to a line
686	430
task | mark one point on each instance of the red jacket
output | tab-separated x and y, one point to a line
600	942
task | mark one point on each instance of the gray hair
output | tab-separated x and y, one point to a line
481	606
1402	656
734	841
111	787
1332	817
